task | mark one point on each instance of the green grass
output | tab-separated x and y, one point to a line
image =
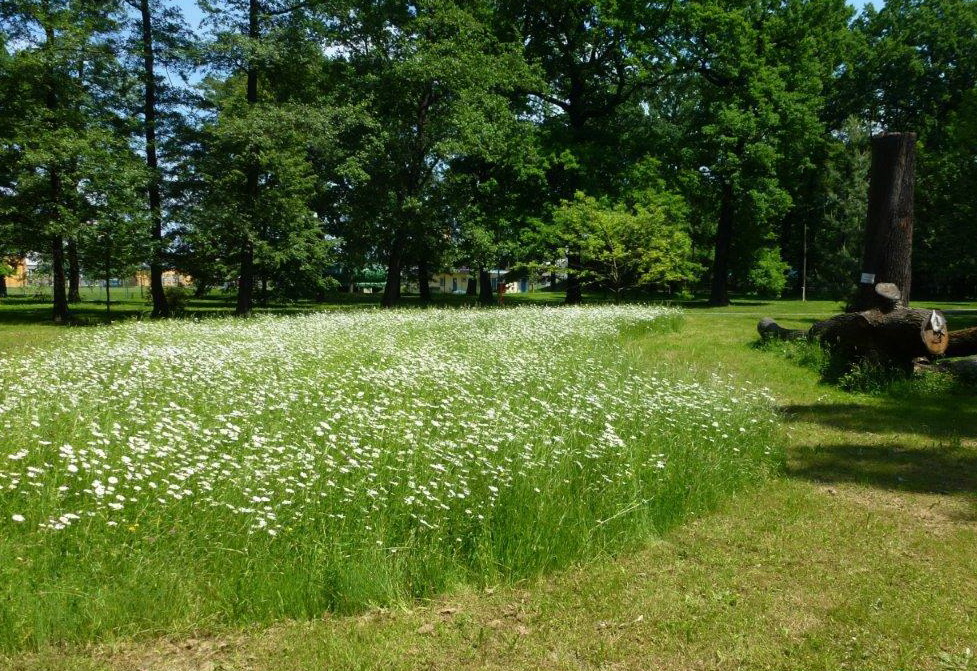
169	476
863	555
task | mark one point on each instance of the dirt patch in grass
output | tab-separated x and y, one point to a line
937	514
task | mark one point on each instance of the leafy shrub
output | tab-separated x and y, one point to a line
177	298
768	277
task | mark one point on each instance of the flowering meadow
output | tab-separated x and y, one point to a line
160	477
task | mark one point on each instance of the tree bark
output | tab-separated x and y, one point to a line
245	282
771	330
60	298
887	254
161	307
423	277
74	273
574	294
901	335
719	294
472	288
485	287
3	286
245	295
391	290
108	277
898	334
61	315
962	343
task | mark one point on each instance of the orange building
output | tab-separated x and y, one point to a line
171	278
22	270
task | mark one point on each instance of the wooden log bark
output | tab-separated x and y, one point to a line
887	249
962	343
771	330
891	331
901	335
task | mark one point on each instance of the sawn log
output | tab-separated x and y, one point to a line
962	343
891	330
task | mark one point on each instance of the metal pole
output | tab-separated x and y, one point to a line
804	267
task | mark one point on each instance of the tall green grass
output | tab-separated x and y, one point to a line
158	478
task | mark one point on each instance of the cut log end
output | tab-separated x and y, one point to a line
934	334
889	295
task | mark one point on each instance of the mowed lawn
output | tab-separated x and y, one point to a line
863	554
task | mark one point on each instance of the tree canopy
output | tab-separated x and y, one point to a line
716	145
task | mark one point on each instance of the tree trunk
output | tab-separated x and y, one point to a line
3	286
245	285
57	266
962	343
391	290
901	335
887	255
161	308
74	273
245	292
423	278
472	288
719	295
485	287
60	298
574	294
108	277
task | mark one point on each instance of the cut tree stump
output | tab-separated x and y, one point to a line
887	255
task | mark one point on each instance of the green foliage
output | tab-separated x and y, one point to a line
836	221
623	247
768	276
177	298
446	132
916	71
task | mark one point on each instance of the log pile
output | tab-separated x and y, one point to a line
889	331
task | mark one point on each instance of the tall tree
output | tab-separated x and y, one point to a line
270	127
759	70
158	38
917	72
596	58
439	83
64	58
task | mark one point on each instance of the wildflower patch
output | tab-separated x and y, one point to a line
168	474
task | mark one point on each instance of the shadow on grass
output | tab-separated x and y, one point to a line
703	304
944	469
938	417
946	466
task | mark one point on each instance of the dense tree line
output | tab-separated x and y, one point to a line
287	144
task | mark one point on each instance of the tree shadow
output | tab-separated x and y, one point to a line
946	466
702	304
943	469
938	417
